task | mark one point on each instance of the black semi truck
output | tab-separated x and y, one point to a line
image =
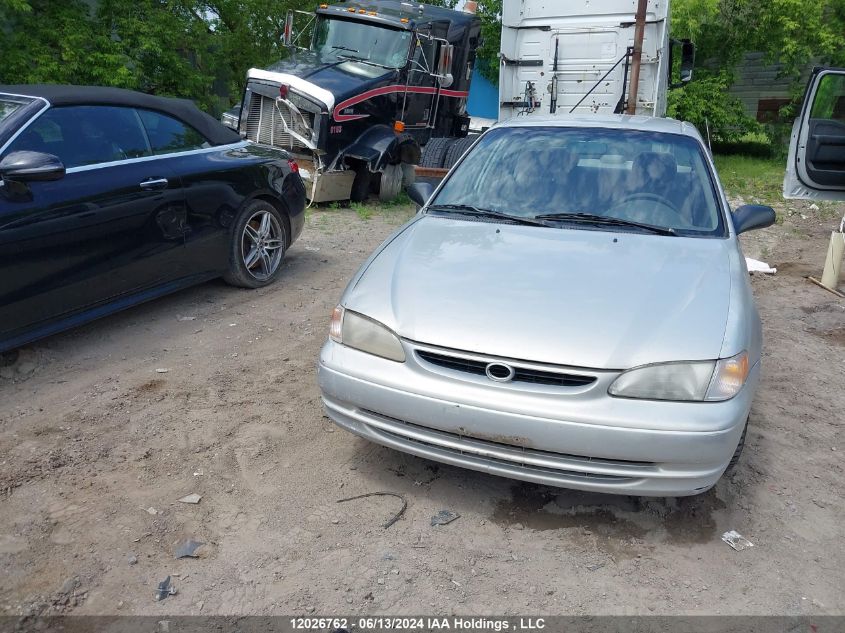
378	80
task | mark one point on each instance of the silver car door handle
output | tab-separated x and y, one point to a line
154	183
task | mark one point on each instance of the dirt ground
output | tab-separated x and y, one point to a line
213	391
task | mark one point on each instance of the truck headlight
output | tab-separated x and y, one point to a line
364	334
685	381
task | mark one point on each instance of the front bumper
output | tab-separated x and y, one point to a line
579	438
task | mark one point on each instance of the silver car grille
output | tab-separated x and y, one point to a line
523	373
269	120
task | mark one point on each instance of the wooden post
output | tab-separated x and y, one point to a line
833	263
639	36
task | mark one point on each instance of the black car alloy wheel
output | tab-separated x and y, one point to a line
259	239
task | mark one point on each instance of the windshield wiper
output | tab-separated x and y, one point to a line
345	48
469	209
591	218
364	61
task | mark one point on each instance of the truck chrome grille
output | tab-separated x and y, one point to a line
268	118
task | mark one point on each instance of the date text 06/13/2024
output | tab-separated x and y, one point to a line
381	623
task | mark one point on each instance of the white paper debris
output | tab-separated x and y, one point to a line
736	540
192	498
756	266
162	370
152	511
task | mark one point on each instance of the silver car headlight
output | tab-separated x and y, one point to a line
685	381
364	334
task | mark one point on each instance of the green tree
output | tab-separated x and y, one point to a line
187	48
705	102
791	32
46	41
794	33
490	14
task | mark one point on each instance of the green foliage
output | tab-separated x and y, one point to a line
490	14
58	42
14	6
706	103
794	33
198	49
790	32
201	49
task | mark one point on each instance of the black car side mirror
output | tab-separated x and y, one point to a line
753	216
26	166
420	192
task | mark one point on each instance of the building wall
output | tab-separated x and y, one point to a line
761	88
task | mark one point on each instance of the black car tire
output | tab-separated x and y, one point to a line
241	275
738	452
361	185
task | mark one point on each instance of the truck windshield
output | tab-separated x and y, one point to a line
346	39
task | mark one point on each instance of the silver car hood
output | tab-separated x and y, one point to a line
599	299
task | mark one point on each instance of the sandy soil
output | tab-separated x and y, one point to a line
98	442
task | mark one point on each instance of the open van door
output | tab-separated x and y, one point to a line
815	169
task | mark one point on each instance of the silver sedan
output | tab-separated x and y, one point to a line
570	307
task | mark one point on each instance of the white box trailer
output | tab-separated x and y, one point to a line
559	57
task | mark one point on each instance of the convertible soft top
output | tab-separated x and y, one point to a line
183	109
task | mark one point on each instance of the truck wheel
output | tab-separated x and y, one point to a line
257	246
457	149
391	183
361	185
433	153
409	174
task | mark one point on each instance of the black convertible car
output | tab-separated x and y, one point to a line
110	197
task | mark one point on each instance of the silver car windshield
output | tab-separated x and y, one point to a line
360	41
650	178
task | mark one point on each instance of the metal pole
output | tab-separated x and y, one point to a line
639	35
